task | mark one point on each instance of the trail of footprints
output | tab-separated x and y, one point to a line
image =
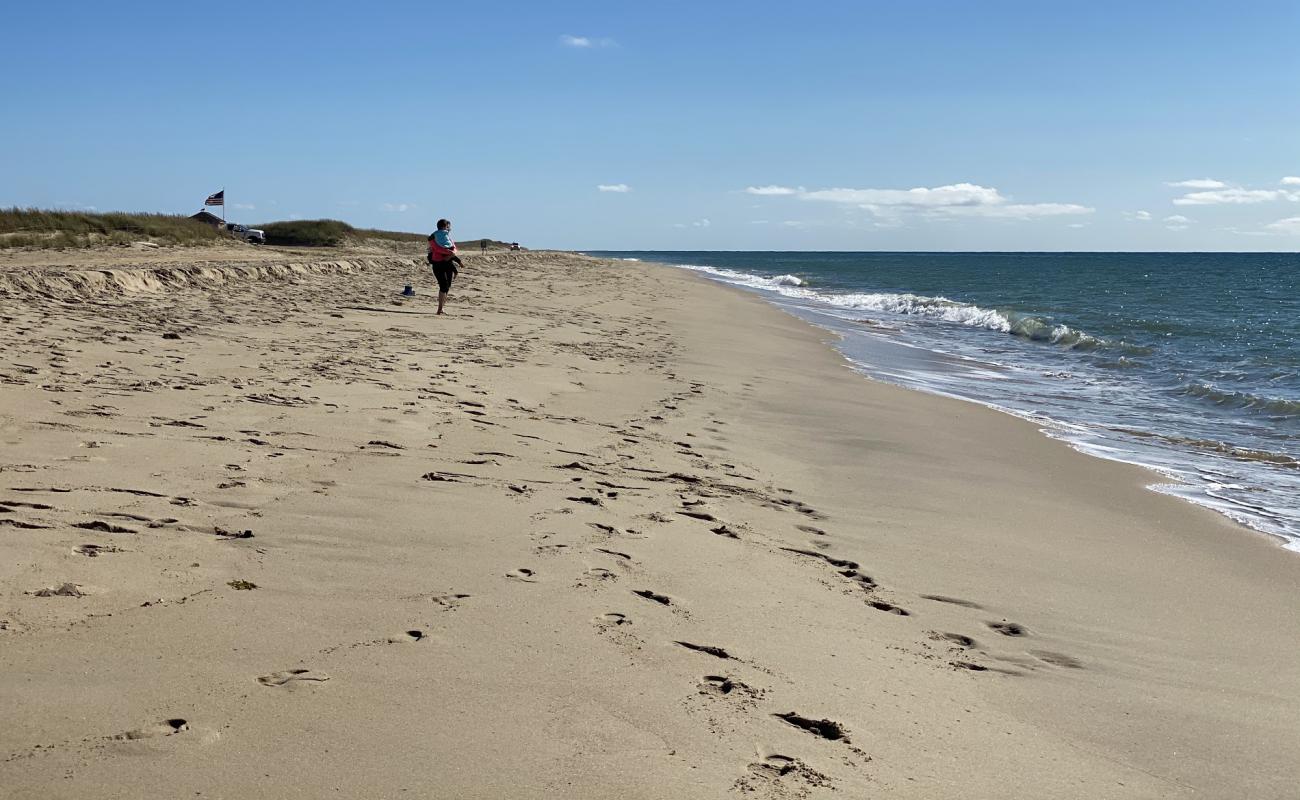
592	483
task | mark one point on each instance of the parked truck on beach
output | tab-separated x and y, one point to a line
250	235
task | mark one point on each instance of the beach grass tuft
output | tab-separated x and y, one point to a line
50	228
327	233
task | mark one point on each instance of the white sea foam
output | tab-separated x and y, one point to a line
1254	483
937	308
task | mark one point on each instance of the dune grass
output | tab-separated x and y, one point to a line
48	228
327	233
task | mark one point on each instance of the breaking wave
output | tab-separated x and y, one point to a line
1024	326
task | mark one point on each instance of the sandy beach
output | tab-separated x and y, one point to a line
269	529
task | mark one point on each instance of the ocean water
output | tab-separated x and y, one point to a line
1188	363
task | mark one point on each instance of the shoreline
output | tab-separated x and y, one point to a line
1184	471
651	535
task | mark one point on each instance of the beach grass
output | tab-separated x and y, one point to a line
327	233
49	228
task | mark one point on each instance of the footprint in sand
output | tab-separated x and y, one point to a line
290	677
881	605
103	527
165	727
62	590
94	550
601	574
781	776
449	602
938	598
958	639
522	574
406	638
707	649
613	618
725	686
1008	628
661	599
824	728
1057	659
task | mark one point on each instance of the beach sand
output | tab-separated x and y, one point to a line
604	530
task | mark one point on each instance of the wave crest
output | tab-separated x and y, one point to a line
1245	400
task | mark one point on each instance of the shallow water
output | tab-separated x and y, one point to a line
1188	363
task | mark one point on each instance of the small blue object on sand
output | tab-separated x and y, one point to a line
408	291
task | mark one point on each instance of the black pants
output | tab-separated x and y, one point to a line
444	271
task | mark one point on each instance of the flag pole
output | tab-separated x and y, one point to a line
223	205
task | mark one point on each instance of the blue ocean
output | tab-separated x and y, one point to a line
1188	363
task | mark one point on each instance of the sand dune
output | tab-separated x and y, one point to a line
269	529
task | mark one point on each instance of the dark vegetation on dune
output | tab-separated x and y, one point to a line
43	228
333	232
327	233
49	229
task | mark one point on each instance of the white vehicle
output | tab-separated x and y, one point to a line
250	235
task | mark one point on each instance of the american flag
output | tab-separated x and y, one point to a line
218	199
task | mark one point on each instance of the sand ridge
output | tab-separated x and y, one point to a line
285	533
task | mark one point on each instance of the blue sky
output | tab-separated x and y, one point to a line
842	125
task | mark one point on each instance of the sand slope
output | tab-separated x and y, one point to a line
604	530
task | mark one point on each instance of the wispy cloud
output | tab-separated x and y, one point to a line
1176	222
1290	180
1198	183
701	223
619	188
569	40
1289	226
1138	216
1235	196
948	201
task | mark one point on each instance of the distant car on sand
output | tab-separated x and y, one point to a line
250	235
514	245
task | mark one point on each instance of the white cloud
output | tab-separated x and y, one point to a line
769	191
958	194
1177	219
568	40
1235	196
1290	180
952	200
1198	183
1290	225
702	223
398	207
1077	225
1018	210
620	188
1138	216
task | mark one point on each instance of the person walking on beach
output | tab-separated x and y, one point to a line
443	259
482	246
